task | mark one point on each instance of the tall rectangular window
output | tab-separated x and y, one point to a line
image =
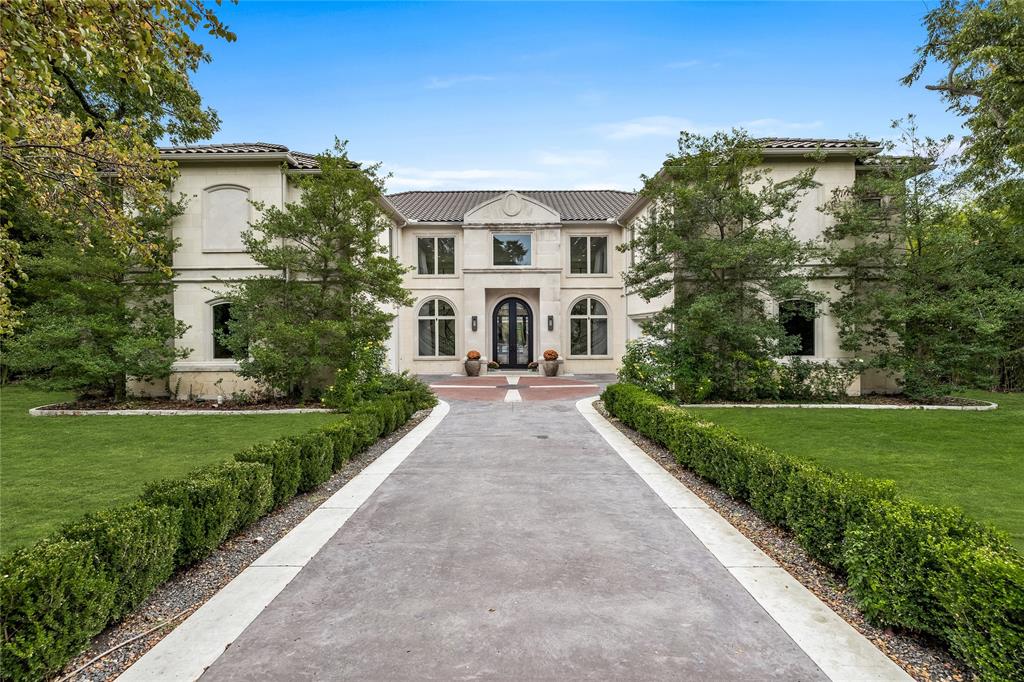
512	249
588	255
435	255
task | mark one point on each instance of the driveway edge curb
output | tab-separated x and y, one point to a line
834	645
198	641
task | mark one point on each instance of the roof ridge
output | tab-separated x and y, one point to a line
470	191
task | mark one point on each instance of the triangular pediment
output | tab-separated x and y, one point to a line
512	208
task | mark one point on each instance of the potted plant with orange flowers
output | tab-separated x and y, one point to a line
551	362
472	363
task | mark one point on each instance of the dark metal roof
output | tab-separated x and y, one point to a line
297	160
811	143
451	206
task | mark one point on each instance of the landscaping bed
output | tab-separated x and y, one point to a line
874	399
177	405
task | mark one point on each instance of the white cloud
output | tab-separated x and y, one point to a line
590	158
404	178
443	82
669	126
644	126
685	64
775	125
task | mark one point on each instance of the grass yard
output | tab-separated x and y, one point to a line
974	460
53	469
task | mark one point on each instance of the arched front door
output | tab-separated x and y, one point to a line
513	333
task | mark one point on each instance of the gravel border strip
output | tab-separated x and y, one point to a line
922	658
191	588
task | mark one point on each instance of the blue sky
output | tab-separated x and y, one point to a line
557	96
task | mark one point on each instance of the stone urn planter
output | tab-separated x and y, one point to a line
472	363
551	363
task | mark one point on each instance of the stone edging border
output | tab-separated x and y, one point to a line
847	406
834	645
42	411
199	640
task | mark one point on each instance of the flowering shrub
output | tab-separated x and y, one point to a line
550	354
473	355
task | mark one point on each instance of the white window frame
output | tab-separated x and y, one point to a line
435	236
510	233
607	255
437	328
607	317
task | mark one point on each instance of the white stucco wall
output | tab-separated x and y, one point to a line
476	287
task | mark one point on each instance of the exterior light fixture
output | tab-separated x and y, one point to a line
551	323
473	322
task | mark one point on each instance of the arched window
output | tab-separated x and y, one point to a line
797	318
588	327
221	315
226	214
436	322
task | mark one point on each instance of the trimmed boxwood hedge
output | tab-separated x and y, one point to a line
55	597
921	568
135	545
282	457
316	456
207	505
60	593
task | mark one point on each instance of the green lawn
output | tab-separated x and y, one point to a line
974	460
53	469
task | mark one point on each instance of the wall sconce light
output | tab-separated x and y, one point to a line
551	323
473	322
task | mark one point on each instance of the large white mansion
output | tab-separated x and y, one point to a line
507	273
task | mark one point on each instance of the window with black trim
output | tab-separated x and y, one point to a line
588	327
221	319
435	255
797	318
588	255
436	329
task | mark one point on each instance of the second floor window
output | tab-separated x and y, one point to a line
435	255
512	249
588	255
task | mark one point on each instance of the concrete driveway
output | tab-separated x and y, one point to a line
513	542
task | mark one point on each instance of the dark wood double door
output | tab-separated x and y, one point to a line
513	334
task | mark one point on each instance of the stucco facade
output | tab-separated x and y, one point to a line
509	274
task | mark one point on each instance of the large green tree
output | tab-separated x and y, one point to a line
324	309
920	295
979	46
96	316
718	240
86	90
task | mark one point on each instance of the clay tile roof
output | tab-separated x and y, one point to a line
298	160
451	206
812	143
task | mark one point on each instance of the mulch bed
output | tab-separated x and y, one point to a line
921	657
172	404
875	399
189	589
